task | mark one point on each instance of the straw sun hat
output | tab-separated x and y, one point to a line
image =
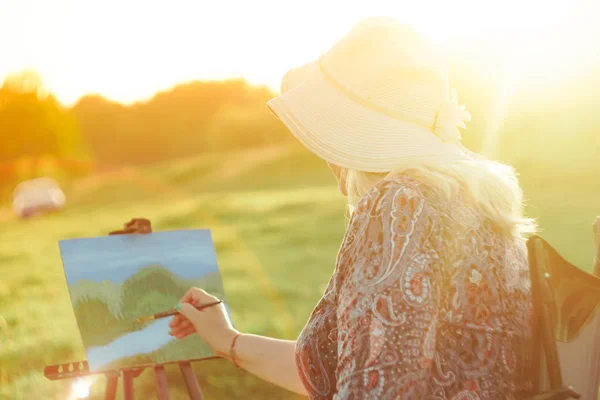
379	97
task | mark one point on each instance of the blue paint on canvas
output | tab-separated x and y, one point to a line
189	253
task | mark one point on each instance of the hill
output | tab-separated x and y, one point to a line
105	310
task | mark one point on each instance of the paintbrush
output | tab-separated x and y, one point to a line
174	311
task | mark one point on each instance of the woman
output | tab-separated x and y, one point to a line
430	297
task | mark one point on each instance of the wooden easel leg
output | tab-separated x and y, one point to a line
127	378
111	387
191	382
162	386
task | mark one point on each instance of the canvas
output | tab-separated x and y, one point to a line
115	280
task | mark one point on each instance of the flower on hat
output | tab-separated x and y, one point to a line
449	118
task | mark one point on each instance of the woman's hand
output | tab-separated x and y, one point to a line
211	323
270	359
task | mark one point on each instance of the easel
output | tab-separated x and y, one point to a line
81	369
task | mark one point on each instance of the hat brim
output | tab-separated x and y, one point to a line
349	134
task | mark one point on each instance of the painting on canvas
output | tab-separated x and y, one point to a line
115	280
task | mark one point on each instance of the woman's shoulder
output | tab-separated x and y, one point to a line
390	185
391	192
407	184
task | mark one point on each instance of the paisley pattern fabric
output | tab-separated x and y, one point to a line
427	301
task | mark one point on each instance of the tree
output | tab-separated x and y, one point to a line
33	124
190	119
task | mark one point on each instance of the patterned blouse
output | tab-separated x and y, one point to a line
427	301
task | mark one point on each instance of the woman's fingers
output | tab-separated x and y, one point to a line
185	330
182	331
176	331
184	325
197	296
191	295
212	323
190	313
185	333
178	320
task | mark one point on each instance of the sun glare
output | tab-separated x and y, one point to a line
127	51
80	389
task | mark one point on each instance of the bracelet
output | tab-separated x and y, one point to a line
231	352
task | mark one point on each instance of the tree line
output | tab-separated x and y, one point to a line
558	126
189	120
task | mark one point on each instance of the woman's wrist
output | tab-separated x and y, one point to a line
232	354
223	349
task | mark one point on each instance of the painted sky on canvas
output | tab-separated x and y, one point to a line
117	257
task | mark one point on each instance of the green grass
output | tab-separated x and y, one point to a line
277	221
276	248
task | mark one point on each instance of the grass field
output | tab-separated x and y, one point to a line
277	221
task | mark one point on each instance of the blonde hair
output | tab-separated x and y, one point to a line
493	188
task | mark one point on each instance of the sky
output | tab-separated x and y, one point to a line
188	253
127	50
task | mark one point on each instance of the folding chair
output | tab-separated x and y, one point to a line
566	325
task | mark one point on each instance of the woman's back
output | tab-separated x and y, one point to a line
484	334
427	301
